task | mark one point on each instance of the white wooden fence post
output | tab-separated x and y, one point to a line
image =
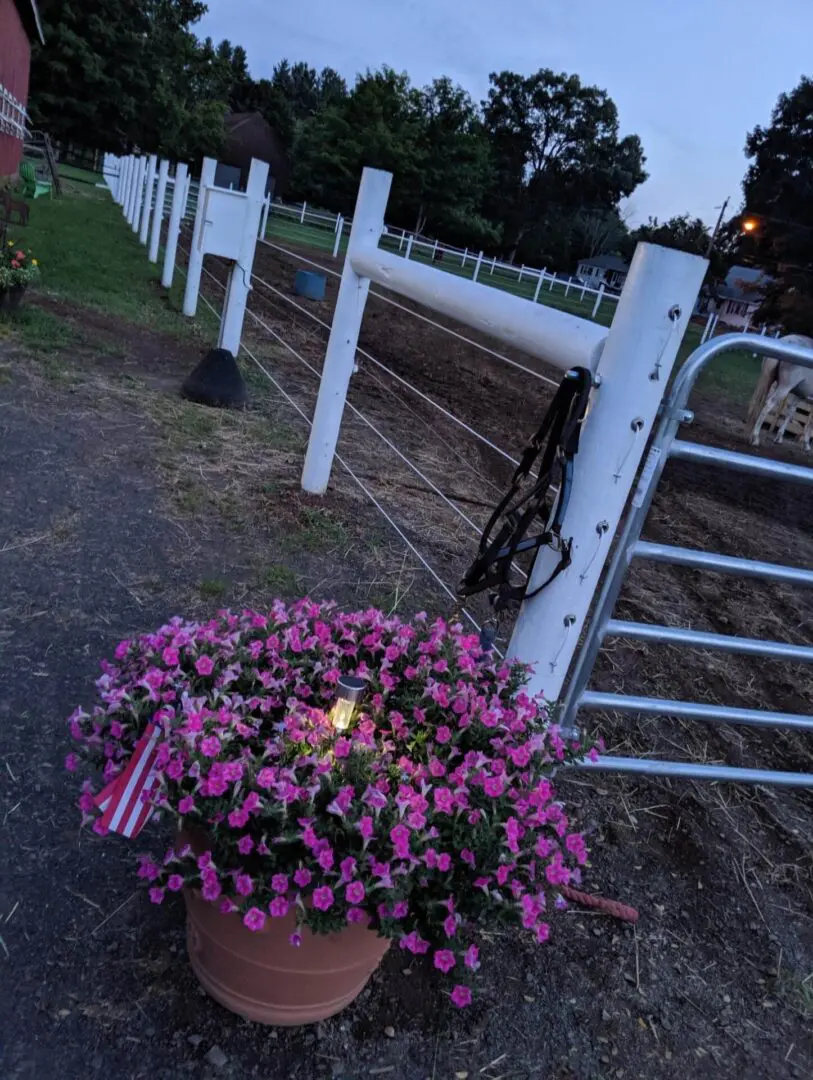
174	226
409	243
118	191
340	357
302	215
552	281
584	290
139	194
195	265
639	352
747	325
567	287
465	256
239	286
337	242
146	206
599	298
493	264
521	272
764	330
158	211
538	288
477	266
434	251
131	194
122	184
401	241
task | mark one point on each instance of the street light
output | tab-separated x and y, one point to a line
750	225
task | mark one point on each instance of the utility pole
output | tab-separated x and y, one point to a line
717	228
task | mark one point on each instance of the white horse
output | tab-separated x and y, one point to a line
779	386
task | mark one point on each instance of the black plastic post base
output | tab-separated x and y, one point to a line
217	381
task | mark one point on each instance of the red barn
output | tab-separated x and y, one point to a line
19	26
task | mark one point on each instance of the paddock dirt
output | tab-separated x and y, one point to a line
122	506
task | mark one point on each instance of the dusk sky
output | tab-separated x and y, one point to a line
690	78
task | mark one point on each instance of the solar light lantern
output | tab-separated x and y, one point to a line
349	692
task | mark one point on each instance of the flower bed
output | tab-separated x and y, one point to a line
431	818
17	267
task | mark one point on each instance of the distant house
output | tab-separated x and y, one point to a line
249	135
609	270
740	295
19	27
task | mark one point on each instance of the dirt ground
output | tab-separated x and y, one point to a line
123	506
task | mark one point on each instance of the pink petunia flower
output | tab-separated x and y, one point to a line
295	939
443	734
279	883
444	960
302	877
278	907
357	915
175	883
461	996
210	747
205	666
323	898
72	762
354	893
156	895
244	884
254	919
245	845
471	958
170	657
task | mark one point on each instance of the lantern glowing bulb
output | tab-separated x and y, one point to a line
349	692
749	225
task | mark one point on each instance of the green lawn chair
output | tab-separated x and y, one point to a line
32	187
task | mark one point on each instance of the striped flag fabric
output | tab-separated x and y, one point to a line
126	801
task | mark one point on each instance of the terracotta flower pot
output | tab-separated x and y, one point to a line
262	977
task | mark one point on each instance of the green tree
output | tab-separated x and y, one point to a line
557	152
686	234
116	76
778	199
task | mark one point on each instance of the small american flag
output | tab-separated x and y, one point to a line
125	802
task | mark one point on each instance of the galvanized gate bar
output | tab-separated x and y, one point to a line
724	564
692	710
702	639
688	770
664	446
749	463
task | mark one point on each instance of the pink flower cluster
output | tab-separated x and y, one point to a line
430	818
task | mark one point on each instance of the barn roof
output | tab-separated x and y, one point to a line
30	17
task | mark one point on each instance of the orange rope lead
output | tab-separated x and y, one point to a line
612	907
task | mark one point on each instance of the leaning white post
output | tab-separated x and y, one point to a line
302	215
634	369
410	242
599	298
195	265
119	188
149	185
477	266
521	272
567	287
338	240
493	264
538	288
465	256
584	290
434	251
552	281
174	227
158	212
139	194
128	180
239	286
368	223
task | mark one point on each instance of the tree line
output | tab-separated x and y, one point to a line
536	173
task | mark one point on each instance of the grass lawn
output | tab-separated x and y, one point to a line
90	258
81	176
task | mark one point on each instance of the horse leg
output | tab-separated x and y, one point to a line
776	395
808	432
788	411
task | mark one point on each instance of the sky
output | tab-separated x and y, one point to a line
691	78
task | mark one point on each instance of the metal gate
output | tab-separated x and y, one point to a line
666	445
